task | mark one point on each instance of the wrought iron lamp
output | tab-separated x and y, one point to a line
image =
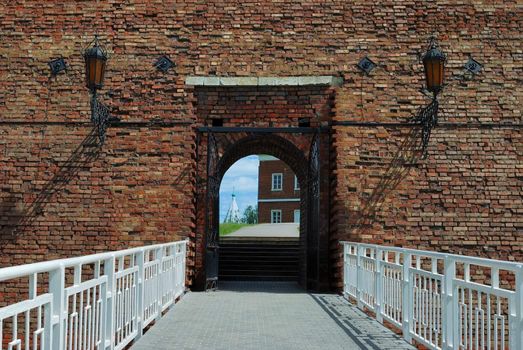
434	65
95	58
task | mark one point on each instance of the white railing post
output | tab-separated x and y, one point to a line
184	265
407	296
177	250
180	275
516	327
359	276
184	268
170	279
109	270
48	324
48	329
449	310
379	284
140	257
177	268
345	270
57	289
159	257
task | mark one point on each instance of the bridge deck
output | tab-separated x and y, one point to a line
267	315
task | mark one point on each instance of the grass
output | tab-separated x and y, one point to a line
227	228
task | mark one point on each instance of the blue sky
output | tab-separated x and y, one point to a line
243	177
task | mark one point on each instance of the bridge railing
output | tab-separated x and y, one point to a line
442	301
100	301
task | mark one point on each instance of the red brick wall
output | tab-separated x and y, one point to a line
266	169
287	211
64	196
57	199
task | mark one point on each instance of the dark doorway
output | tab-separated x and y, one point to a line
221	153
260	207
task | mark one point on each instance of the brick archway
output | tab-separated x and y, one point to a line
291	149
270	144
289	153
281	121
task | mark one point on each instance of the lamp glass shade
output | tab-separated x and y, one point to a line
434	64
95	63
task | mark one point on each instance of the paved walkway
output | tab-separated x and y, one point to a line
283	230
266	315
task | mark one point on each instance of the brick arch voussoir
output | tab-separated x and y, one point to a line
273	145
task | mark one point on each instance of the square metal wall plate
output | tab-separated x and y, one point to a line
473	66
57	65
164	63
366	65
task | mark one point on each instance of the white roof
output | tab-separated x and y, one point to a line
266	157
233	214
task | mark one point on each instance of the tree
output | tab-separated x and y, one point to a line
250	215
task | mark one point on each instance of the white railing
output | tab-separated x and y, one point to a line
442	301
101	301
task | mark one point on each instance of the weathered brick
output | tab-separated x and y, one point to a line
59	197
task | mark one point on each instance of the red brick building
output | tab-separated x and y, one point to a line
278	192
260	77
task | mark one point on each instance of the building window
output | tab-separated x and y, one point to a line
296	183
277	182
297	216
275	216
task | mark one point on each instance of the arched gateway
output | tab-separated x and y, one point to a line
287	122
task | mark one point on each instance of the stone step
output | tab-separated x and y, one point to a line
260	268
257	278
260	260
258	247
247	260
254	272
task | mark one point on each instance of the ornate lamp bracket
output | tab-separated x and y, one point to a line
428	119
99	117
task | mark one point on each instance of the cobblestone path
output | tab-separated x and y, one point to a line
266	315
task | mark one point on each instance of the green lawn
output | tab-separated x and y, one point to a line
227	228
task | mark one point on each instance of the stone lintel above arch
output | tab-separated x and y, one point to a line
328	80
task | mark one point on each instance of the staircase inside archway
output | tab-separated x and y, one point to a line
259	259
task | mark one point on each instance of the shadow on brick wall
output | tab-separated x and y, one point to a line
405	157
15	215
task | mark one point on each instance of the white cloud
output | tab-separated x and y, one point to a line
242	176
239	184
247	166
